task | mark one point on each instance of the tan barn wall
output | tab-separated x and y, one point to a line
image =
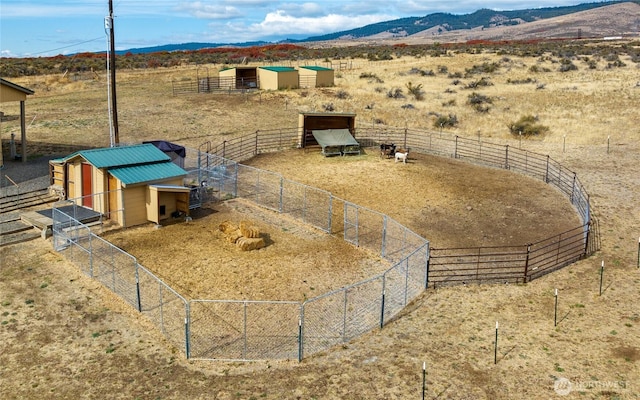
288	80
307	78
268	79
325	78
74	182
152	202
135	201
10	94
168	200
100	202
227	78
276	80
119	217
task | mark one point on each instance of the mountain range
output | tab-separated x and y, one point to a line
610	18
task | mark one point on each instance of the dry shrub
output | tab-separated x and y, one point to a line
527	125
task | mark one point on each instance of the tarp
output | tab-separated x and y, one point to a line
169	147
334	138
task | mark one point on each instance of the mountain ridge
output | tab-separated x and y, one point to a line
436	25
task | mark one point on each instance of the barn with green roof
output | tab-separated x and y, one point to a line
130	185
315	76
276	78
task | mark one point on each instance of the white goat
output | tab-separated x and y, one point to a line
402	156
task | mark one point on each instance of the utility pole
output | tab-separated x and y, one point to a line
112	70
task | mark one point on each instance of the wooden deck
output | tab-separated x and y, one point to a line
43	219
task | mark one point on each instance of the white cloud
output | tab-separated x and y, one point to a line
279	24
201	10
303	10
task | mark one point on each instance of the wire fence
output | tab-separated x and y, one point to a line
251	330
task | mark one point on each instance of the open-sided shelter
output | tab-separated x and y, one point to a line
310	121
139	183
315	76
276	78
11	92
239	78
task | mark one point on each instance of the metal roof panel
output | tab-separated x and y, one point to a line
279	69
316	68
111	157
131	175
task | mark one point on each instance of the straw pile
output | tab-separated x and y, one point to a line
246	236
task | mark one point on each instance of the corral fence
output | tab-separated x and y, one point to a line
251	330
214	84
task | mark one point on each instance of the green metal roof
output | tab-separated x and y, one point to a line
131	175
279	69
316	68
111	157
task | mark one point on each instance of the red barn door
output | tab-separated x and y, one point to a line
87	190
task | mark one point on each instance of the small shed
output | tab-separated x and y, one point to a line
314	121
316	76
130	184
11	92
239	78
276	78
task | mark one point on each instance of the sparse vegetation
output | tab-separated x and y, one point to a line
446	121
342	94
415	90
480	102
484	68
521	81
395	93
567	65
421	72
482	82
371	77
526	309
527	125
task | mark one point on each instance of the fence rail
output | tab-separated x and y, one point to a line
250	330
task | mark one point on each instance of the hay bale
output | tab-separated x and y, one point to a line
228	227
248	244
249	231
232	237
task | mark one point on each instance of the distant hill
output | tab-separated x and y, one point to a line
483	18
432	25
188	47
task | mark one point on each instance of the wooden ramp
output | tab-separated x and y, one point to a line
13	230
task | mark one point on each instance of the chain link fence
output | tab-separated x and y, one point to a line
252	330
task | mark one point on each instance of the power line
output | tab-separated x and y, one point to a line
66	47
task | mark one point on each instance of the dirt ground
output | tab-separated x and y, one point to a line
63	336
453	204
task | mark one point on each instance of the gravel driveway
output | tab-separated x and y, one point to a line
18	177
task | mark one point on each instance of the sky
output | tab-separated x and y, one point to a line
43	28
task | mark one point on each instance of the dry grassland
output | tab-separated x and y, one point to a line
64	336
